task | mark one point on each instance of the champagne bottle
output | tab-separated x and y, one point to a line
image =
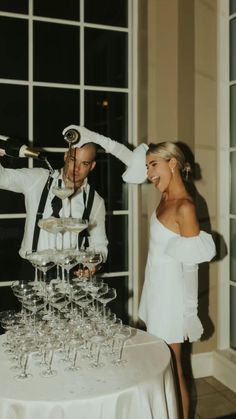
72	136
14	148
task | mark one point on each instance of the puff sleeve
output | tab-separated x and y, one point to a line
191	250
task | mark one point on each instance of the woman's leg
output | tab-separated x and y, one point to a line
176	350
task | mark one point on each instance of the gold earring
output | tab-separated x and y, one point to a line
172	170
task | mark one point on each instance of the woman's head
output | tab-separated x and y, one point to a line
167	151
164	160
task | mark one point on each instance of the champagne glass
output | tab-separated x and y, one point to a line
97	339
75	343
75	226
50	345
66	259
62	191
84	302
106	298
121	336
52	225
26	346
93	259
34	303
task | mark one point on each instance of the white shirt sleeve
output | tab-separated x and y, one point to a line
20	180
97	228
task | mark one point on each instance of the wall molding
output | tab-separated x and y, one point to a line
219	364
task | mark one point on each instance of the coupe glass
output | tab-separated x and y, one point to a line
97	339
51	343
26	346
92	259
62	192
53	226
75	226
106	298
121	336
34	303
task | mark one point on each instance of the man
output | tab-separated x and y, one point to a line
37	184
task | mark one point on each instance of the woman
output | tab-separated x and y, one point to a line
169	299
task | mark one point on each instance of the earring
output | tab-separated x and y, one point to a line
172	170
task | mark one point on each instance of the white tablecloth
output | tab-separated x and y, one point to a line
141	389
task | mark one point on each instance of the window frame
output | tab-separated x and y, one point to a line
131	90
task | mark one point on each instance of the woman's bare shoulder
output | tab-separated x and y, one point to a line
187	218
186	206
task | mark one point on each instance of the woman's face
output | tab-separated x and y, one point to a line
158	171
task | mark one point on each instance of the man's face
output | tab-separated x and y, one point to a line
78	163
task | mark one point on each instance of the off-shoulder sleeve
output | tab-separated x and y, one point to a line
136	171
191	250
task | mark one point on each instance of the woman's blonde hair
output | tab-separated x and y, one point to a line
168	150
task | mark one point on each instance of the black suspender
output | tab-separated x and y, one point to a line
40	212
87	210
86	214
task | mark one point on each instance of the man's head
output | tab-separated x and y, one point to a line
79	162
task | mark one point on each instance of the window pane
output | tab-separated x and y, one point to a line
233	250
14	6
119	306
232	6
54	109
107	12
107	113
8	302
56	53
14	110
233	183
14	48
11	234
117	232
11	202
106	179
233	49
68	9
233	317
232	116
107	52
55	159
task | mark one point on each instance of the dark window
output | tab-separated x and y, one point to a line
16	6
68	9
11	233
54	109
107	53
106	179
107	12
56	53
117	231
14	48
232	6
14	110
107	113
11	202
233	49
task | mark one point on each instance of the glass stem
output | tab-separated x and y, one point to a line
121	350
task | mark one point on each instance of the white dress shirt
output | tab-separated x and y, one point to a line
31	183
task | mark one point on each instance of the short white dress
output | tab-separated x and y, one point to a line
168	303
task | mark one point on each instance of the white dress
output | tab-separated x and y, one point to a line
168	303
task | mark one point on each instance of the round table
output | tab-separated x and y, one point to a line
143	388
